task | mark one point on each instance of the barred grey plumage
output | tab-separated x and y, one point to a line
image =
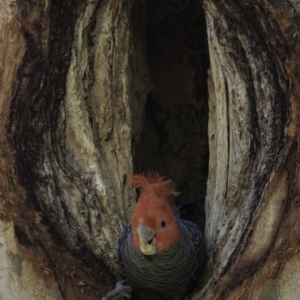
171	273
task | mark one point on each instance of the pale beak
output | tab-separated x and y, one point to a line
147	240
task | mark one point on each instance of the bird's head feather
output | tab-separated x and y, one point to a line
154	211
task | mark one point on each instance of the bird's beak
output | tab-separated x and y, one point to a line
147	240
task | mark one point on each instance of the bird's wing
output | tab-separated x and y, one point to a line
121	243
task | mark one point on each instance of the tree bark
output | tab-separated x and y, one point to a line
92	91
252	196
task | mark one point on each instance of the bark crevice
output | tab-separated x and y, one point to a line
95	90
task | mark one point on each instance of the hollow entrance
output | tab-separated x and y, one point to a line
173	140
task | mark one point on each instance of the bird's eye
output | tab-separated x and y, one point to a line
163	223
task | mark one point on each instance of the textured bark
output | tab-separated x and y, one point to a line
94	90
68	129
252	196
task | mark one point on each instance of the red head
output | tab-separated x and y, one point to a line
153	223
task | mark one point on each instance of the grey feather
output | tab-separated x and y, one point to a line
171	273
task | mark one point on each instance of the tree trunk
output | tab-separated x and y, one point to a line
252	196
92	91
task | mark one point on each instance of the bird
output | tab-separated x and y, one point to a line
159	251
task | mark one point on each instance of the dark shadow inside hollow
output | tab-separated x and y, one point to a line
173	140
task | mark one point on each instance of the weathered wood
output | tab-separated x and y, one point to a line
254	50
92	90
69	130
